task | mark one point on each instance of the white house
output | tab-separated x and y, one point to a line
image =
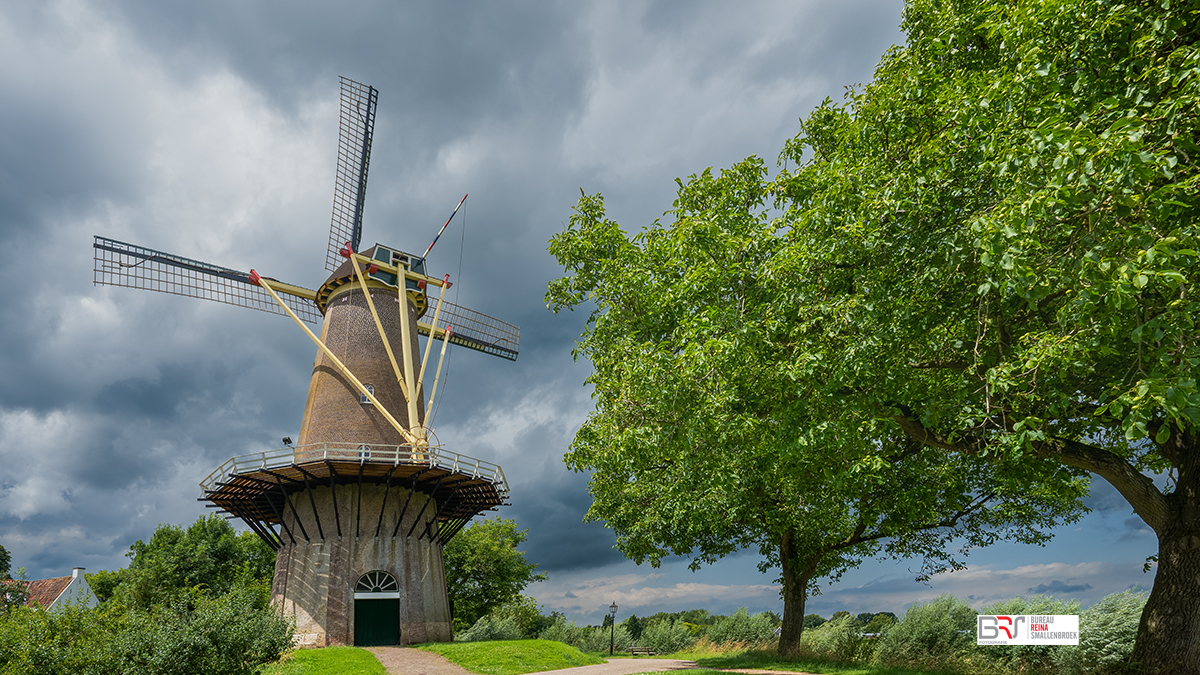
60	591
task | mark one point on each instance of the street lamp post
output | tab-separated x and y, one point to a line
612	615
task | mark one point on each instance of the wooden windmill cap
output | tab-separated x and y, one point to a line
343	278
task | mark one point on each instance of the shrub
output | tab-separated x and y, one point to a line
934	633
232	634
756	630
1106	633
525	613
491	627
836	639
666	637
72	639
1026	658
879	624
813	620
590	639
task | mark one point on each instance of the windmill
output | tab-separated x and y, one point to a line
359	508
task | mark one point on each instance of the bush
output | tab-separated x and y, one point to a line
813	620
879	624
1106	633
837	639
590	639
666	637
524	612
753	631
232	634
935	633
1026	658
73	639
491	627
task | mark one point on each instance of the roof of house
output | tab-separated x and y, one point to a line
45	591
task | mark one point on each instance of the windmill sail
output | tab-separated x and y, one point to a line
119	264
475	330
354	158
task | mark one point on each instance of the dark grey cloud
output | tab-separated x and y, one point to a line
209	130
1135	529
1059	587
1102	496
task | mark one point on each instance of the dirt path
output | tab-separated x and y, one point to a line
405	661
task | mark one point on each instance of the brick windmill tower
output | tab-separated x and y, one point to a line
359	508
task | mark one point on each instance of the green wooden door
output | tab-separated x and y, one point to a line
377	622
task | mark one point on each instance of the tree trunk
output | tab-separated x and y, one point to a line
1168	638
796	574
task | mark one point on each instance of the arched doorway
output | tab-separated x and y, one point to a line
376	610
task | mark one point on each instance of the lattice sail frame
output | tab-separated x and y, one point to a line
478	331
116	263
356	128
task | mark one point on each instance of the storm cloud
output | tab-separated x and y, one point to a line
210	130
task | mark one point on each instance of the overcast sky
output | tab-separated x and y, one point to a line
209	130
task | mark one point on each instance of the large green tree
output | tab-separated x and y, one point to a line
702	443
208	554
992	248
484	569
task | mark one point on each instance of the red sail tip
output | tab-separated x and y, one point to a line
254	278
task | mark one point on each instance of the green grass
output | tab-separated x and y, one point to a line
769	660
327	661
511	657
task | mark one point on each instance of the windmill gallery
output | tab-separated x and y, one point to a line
358	510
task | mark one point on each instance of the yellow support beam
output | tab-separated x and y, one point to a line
306	293
362	283
416	442
437	375
436	313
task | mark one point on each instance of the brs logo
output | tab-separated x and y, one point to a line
989	627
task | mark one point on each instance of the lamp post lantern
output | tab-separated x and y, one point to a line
612	615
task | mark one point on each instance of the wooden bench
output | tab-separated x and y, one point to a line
641	651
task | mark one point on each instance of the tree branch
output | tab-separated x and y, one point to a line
1137	488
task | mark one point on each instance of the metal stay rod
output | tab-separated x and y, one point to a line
442	509
411	489
388	482
424	506
295	515
333	474
313	502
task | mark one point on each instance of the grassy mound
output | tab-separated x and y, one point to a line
511	657
328	661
